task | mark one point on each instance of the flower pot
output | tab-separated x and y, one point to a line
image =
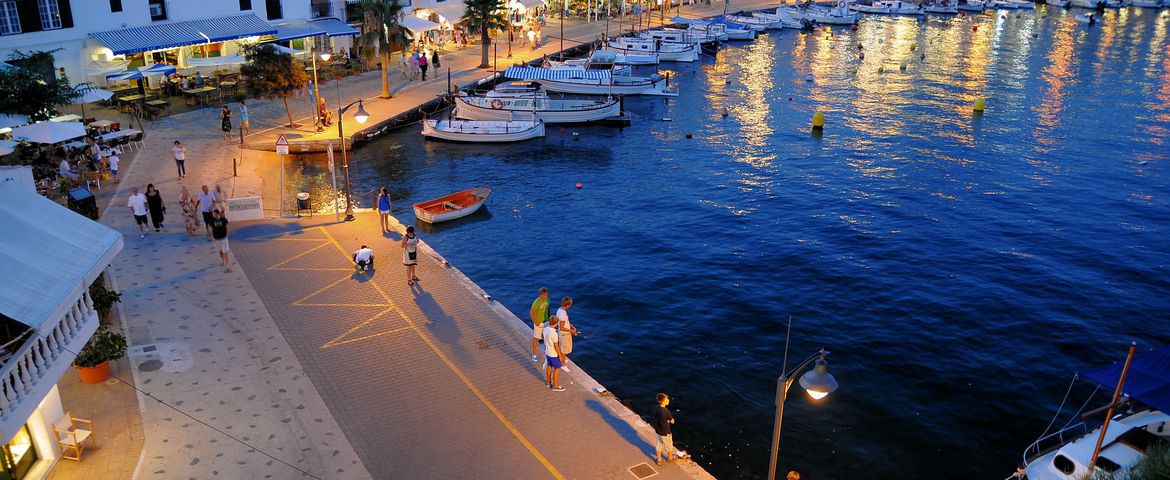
92	375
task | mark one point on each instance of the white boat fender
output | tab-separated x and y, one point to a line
666	119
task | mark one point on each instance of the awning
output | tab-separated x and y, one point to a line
48	133
530	3
334	27
214	61
450	10
417	25
286	31
164	36
688	21
534	73
48	256
8	120
7	147
1148	379
142	72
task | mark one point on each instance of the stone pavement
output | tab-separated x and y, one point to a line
432	381
113	407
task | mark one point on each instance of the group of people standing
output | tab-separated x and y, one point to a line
211	205
557	333
417	64
225	121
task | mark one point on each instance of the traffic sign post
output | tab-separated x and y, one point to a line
333	173
282	150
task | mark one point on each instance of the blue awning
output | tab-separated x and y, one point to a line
334	27
1148	379
296	29
163	36
534	73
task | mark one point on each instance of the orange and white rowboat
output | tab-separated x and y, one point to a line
450	207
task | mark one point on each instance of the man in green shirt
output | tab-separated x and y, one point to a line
539	316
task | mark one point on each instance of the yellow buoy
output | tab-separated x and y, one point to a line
979	104
818	121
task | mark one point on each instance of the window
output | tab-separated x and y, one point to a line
274	10
50	15
158	10
245	5
9	18
1063	464
115	6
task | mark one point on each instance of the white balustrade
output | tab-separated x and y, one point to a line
25	369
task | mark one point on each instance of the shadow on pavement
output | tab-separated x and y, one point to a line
621	427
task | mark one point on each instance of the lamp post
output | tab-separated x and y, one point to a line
316	91
818	382
361	116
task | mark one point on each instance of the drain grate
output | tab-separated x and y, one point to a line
643	470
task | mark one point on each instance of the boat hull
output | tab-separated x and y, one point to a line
676	53
441	209
621	86
470	131
548	111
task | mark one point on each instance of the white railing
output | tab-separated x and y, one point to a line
39	359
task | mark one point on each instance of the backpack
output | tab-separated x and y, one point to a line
422	60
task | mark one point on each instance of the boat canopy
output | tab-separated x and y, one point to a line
689	21
534	73
1148	380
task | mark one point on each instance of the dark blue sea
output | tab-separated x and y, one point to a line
959	267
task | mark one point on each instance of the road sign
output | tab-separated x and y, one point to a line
282	145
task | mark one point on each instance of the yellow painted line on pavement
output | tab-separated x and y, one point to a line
319	290
299	255
459	373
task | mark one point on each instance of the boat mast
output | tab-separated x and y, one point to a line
1112	406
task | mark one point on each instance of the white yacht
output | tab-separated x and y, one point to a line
838	14
666	51
971	5
538	104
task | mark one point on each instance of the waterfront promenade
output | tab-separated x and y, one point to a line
239	379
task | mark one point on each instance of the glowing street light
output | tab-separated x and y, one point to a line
818	382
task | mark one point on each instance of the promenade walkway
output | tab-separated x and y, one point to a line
289	367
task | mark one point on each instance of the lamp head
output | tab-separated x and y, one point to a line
818	382
325	56
360	115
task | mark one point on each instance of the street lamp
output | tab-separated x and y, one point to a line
818	382
361	116
316	92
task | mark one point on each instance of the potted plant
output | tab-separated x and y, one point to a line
103	298
93	362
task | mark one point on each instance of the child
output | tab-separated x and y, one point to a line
113	161
662	422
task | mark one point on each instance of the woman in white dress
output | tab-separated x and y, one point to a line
410	254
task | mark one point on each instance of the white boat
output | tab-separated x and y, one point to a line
971	5
1067	454
898	7
592	81
1024	4
735	31
943	7
1147	3
1096	4
476	131
449	207
1001	4
838	14
545	109
1057	3
757	24
666	51
1086	18
782	19
875	8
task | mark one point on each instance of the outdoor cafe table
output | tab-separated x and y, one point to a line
66	118
121	89
101	124
119	134
199	94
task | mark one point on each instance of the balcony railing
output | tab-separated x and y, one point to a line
38	364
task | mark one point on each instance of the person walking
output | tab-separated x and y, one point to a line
422	65
413	65
245	127
554	358
435	60
566	330
137	205
662	422
220	199
539	316
180	153
410	254
384	209
219	234
154	203
206	203
405	67
112	160
189	206
225	122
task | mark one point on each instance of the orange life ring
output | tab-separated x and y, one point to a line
497	104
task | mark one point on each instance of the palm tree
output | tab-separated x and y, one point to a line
381	34
484	15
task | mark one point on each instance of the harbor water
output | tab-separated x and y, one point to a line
960	267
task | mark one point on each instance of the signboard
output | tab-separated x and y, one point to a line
281	145
245	208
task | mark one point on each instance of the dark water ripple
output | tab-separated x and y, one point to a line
960	267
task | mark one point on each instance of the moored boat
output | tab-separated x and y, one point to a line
838	14
1058	3
971	5
666	51
591	81
875	8
941	7
734	30
477	131
450	207
1148	3
782	19
545	109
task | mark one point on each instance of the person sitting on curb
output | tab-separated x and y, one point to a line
363	259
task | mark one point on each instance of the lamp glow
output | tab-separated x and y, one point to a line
818	382
325	56
360	115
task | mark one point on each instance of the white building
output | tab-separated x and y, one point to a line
97	37
48	258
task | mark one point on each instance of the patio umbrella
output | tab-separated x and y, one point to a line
90	95
49	132
142	72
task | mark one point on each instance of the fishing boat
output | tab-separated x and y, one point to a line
450	207
1058	3
838	14
477	131
735	31
898	7
1023	4
706	43
875	8
971	5
1123	438
941	7
1148	3
753	23
666	51
493	108
1002	4
782	19
591	81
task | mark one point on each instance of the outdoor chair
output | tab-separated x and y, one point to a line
72	438
92	178
136	141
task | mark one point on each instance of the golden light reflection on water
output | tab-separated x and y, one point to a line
753	111
1058	74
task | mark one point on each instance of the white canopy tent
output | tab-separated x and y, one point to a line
49	132
418	25
205	62
49	255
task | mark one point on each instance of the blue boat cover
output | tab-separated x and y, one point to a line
1148	380
163	36
535	73
689	21
335	28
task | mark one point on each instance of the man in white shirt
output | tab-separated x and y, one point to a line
113	160
555	359
206	203
180	153
363	259
65	171
566	330
137	205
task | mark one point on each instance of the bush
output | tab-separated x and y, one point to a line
1154	466
102	347
103	298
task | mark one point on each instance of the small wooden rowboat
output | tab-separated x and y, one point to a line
450	207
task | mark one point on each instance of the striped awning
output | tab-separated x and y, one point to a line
535	73
163	36
334	27
296	29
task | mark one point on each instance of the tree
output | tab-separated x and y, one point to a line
32	92
381	34
271	74
484	15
